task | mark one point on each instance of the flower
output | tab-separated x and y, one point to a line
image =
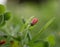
2	42
34	21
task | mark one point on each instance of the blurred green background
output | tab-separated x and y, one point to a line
44	11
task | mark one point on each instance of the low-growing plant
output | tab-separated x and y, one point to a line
16	32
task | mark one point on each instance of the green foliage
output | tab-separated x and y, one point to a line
51	40
7	16
2	9
4	16
20	32
40	43
44	28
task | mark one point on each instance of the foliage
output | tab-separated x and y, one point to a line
16	31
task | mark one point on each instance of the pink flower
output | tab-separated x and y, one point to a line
34	21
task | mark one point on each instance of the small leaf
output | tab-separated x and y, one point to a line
29	36
2	22
16	38
2	9
51	40
7	16
39	43
23	20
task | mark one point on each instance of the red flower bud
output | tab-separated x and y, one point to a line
34	21
2	42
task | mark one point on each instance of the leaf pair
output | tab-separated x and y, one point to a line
4	16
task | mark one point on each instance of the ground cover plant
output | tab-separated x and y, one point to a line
18	32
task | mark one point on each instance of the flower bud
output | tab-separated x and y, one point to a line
34	21
2	42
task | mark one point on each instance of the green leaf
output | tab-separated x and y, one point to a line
39	43
51	40
7	16
2	22
2	9
18	38
29	36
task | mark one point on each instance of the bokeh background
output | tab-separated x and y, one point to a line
44	10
